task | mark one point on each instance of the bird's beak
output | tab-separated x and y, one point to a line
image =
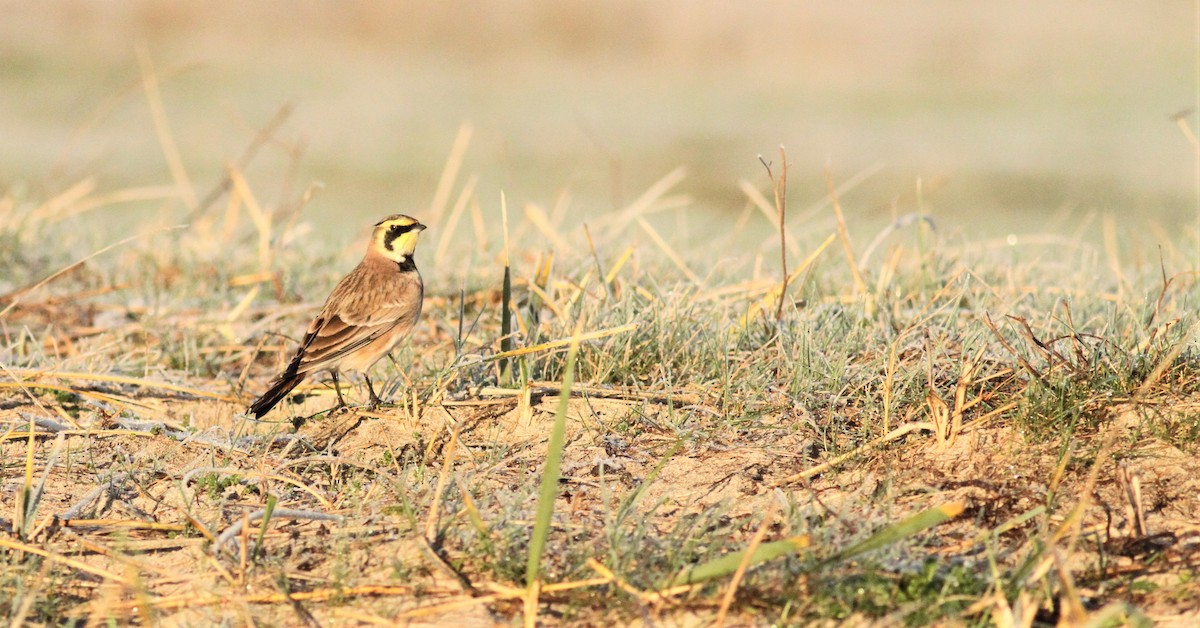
419	227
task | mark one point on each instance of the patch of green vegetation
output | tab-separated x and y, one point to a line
920	597
1142	585
214	484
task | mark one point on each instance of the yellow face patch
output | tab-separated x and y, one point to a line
396	236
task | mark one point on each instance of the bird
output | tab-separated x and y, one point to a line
369	311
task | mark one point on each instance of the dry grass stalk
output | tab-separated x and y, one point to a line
431	523
162	129
454	161
668	251
896	434
64	560
860	285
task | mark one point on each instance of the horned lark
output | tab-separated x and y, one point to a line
370	310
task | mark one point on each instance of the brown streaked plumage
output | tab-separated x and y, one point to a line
370	310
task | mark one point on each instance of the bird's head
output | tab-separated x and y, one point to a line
396	236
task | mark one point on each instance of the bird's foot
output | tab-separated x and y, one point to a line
374	401
339	408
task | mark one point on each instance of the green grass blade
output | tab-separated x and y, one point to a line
550	475
1014	522
897	531
21	508
35	498
506	343
726	565
629	502
266	520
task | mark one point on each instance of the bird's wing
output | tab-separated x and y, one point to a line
362	308
333	336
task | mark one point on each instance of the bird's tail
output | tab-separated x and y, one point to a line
279	389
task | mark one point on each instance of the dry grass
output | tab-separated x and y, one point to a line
778	414
922	429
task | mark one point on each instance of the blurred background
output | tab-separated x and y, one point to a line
1007	113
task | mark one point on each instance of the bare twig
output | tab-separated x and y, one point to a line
260	138
780	188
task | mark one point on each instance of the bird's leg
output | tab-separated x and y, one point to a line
375	401
338	389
